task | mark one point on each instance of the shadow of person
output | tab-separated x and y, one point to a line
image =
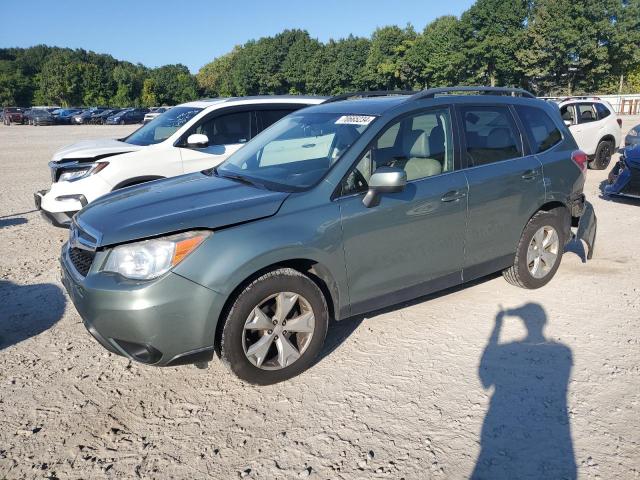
28	310
526	432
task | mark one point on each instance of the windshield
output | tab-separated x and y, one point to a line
296	152
163	126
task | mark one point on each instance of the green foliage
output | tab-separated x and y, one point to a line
548	46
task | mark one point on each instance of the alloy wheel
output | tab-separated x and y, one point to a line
278	331
543	250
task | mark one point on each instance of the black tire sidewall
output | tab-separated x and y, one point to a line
597	164
538	221
231	350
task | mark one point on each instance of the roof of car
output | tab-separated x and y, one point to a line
362	106
208	102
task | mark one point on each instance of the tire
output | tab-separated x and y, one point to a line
602	157
235	339
520	273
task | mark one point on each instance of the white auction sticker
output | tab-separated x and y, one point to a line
355	120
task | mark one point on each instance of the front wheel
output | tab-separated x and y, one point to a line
275	328
539	251
602	157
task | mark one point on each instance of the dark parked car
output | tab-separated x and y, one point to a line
624	178
86	115
101	117
64	115
336	210
633	136
13	115
125	117
41	117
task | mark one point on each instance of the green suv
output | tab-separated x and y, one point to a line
336	210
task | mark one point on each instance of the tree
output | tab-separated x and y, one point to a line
437	58
493	31
338	67
214	79
386	66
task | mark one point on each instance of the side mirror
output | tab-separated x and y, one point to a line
384	180
197	140
568	123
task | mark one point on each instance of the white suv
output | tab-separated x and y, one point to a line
595	127
190	137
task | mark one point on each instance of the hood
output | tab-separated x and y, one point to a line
175	204
89	149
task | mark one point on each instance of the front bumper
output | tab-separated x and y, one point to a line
164	322
58	219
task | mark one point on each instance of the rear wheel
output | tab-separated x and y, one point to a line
539	251
602	157
275	328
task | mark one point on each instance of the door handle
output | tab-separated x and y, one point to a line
453	196
530	174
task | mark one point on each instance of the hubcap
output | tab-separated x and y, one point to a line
278	331
542	252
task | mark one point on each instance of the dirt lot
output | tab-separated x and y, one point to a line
428	390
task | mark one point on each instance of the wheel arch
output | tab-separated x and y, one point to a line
553	205
313	269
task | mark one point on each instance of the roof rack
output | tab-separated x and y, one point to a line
433	92
375	93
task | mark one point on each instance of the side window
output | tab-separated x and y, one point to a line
421	144
603	111
586	113
567	113
491	135
541	130
269	117
227	129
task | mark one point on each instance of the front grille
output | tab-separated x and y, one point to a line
81	260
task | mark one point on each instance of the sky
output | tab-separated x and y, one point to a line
194	32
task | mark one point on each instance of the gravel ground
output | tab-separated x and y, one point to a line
440	388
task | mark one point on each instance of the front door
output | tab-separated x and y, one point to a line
412	242
226	133
505	187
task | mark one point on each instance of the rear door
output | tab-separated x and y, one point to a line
587	130
505	186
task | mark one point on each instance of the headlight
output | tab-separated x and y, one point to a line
633	133
81	172
151	258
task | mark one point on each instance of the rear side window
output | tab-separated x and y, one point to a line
586	113
269	117
491	135
603	111
541	130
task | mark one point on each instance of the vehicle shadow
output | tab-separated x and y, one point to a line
28	310
526	431
340	331
10	222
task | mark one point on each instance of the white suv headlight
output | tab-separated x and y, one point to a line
76	173
151	258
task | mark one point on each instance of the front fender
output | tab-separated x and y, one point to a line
232	255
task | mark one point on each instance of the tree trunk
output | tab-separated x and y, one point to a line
621	83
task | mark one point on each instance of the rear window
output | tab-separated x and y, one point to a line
603	111
541	130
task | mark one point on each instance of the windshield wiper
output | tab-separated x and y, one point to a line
238	178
